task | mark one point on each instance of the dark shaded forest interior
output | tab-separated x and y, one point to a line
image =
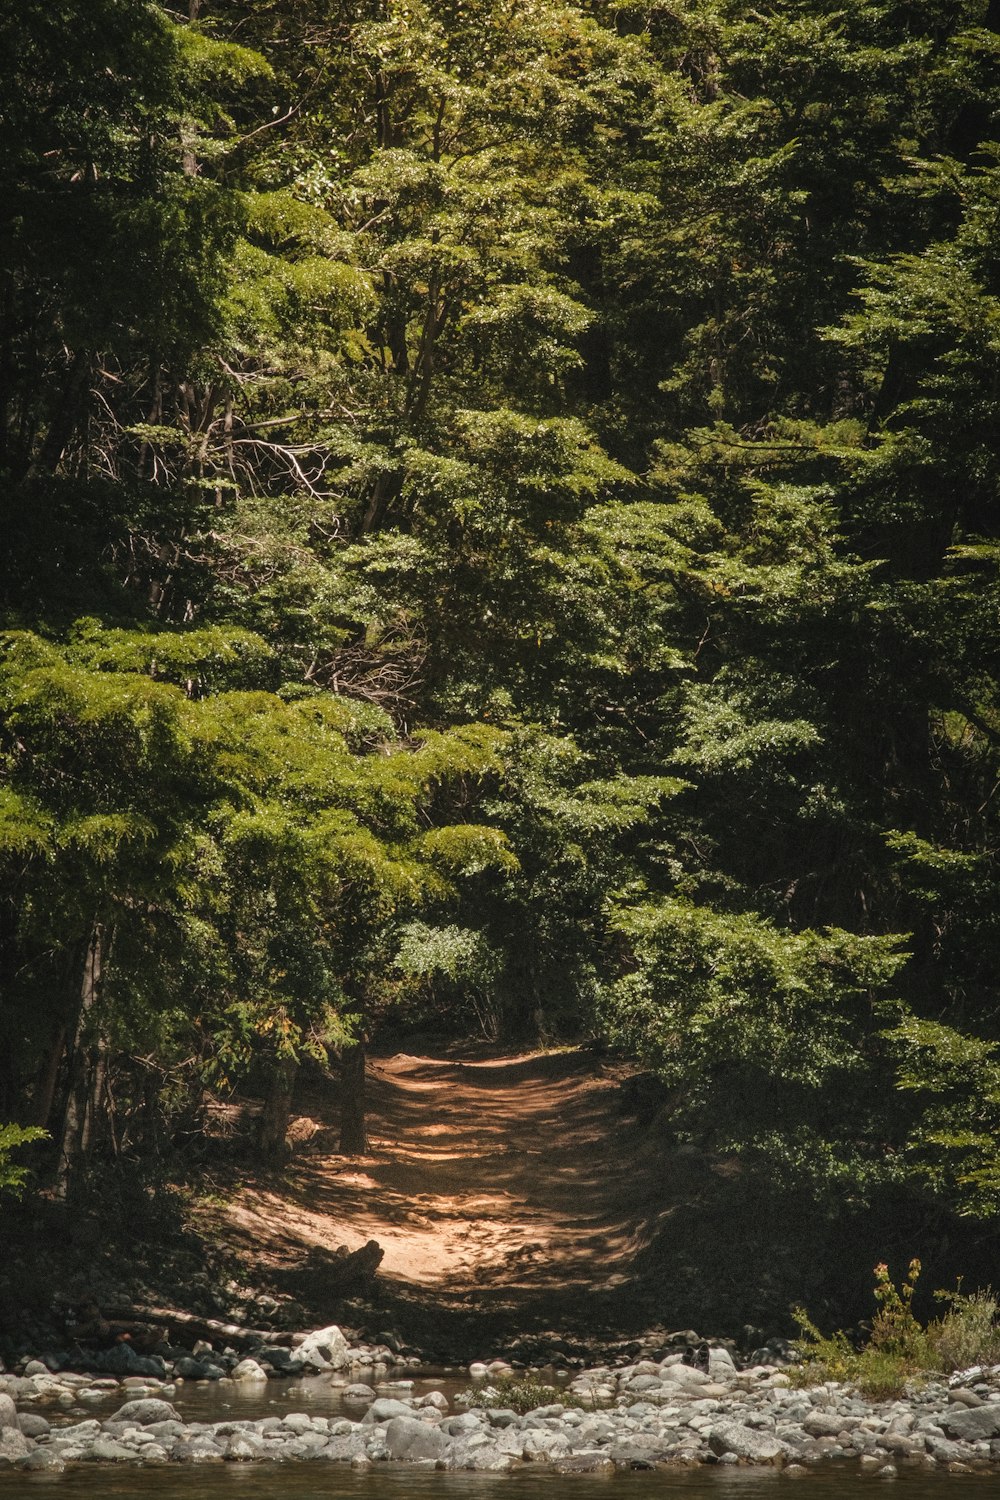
500	542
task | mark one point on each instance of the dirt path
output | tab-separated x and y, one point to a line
491	1180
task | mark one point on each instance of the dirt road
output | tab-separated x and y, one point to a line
491	1181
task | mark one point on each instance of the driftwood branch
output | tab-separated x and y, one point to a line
128	1319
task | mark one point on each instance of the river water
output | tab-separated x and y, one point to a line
325	1481
335	1482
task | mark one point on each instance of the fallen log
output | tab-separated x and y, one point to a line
191	1326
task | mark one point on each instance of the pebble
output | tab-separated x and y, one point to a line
648	1414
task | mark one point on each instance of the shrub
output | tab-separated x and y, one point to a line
898	1349
968	1333
517	1394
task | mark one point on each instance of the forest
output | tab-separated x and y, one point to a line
501	535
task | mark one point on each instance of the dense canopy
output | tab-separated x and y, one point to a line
501	516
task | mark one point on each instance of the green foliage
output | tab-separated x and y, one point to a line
518	1393
13	1174
968	1332
898	1349
499	508
753	1029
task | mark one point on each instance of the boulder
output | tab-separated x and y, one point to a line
640	1450
123	1360
972	1423
324	1349
14	1444
43	1461
146	1411
828	1424
33	1425
108	1450
249	1370
198	1369
384	1409
410	1438
746	1442
720	1364
593	1461
358	1392
8	1412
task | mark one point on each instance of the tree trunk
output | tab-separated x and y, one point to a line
48	1076
76	1131
353	1135
277	1108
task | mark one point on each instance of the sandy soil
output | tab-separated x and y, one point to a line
489	1178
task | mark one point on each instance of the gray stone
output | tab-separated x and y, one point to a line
592	1461
197	1450
641	1450
971	1424
14	1444
409	1438
746	1442
720	1364
324	1349
358	1393
247	1371
943	1451
384	1409
501	1416
43	1461
32	1424
201	1369
167	1432
298	1422
828	1424
8	1412
109	1450
466	1421
346	1446
145	1412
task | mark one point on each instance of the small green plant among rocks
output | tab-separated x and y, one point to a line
519	1394
899	1349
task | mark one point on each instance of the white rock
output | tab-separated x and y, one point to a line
325	1349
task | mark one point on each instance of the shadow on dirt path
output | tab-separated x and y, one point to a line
513	1195
505	1187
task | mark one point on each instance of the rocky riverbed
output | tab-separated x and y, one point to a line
635	1416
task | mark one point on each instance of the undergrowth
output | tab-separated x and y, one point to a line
900	1350
518	1394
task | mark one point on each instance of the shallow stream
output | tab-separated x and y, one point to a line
333	1482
